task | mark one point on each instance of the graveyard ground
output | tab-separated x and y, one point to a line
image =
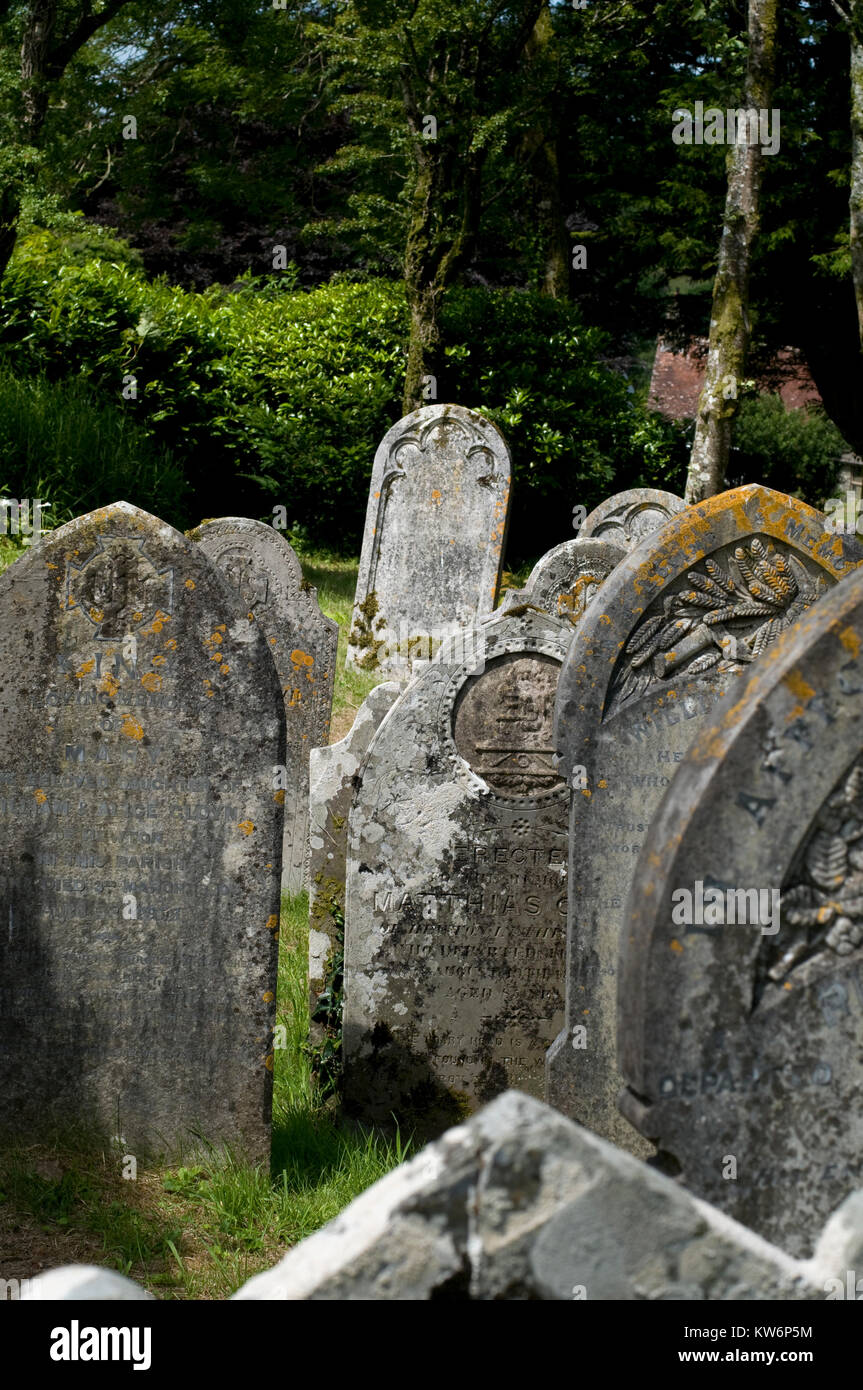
199	1231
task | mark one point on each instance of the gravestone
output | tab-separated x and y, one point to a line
332	776
627	517
141	842
434	536
679	619
567	579
260	564
456	888
741	1027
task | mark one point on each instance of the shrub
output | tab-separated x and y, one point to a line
269	395
794	451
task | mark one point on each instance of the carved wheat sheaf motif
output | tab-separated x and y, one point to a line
733	609
823	904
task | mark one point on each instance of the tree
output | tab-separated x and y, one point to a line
729	319
444	80
51	34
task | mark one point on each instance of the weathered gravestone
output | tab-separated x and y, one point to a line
434	536
262	567
333	775
140	842
679	619
627	517
567	579
456	891
741	1029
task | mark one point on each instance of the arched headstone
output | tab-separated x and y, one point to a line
741	1021
261	565
678	621
140	842
434	537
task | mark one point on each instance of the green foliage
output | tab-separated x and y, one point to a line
268	395
63	444
794	451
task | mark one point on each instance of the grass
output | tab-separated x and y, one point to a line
200	1229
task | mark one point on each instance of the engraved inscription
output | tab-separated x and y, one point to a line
118	587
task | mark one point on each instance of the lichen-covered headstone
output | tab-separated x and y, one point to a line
456	890
627	517
140	843
741	1023
567	579
262	567
333	776
434	537
678	620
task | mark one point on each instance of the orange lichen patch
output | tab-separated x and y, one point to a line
798	686
131	728
585	791
40	795
152	681
279	797
190	583
109	685
268	996
268	1061
788	985
97	615
49	566
208	688
850	640
301	659
170	646
603	782
247	826
436	497
272	641
158	622
224	670
159	660
675	945
272	922
138	617
84	669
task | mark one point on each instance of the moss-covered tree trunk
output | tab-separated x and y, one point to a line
856	196
541	151
440	242
729	318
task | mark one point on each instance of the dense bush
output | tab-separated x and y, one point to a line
268	395
794	451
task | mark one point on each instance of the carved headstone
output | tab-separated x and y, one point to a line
140	842
567	579
262	567
627	517
741	1028
456	893
680	618
333	776
434	537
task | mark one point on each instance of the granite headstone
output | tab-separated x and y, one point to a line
567	579
332	777
741	1012
262	566
627	517
141	842
679	619
434	536
456	890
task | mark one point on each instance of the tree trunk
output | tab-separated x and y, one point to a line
540	148
856	197
729	319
